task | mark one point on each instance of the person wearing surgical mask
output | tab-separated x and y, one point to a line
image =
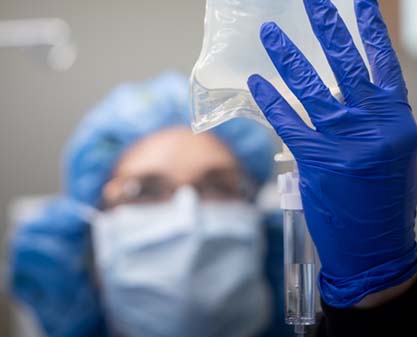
179	247
157	232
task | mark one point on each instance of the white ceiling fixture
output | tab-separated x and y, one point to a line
54	34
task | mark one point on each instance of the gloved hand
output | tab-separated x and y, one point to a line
358	169
49	274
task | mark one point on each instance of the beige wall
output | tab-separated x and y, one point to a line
118	41
391	12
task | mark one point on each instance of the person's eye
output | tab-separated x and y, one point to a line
225	190
153	192
225	184
140	190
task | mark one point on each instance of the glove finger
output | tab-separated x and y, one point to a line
386	69
299	75
343	56
283	118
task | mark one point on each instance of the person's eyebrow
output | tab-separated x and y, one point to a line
232	170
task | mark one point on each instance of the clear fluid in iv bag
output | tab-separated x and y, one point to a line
212	107
232	51
215	106
300	295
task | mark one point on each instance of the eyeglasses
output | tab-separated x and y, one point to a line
217	184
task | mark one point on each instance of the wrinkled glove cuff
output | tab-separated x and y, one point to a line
341	292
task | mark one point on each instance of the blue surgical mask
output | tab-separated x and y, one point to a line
182	268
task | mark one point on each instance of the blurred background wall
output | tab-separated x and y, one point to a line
117	41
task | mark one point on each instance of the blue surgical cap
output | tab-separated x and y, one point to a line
134	111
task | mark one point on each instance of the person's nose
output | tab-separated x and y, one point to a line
187	202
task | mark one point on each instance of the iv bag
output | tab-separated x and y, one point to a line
232	51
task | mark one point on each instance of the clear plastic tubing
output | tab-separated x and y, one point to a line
300	258
299	272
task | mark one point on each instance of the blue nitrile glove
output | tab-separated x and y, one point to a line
49	272
358	169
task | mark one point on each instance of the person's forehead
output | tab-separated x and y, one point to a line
175	152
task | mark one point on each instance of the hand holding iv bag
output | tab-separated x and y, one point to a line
358	167
232	51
